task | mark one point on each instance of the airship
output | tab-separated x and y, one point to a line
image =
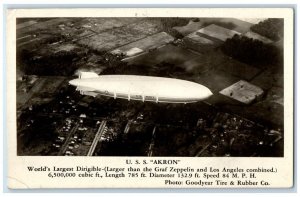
141	88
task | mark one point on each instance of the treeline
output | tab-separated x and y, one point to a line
62	63
106	58
271	28
250	51
167	24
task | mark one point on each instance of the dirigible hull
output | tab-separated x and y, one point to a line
142	88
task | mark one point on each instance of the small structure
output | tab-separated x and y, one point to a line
243	91
275	95
133	51
82	116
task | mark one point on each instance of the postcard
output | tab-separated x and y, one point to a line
150	98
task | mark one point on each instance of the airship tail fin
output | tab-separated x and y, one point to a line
87	75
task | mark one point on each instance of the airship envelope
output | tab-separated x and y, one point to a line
143	88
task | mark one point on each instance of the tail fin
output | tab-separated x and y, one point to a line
87	75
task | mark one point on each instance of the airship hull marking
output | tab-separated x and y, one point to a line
146	98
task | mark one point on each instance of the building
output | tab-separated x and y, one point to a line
243	91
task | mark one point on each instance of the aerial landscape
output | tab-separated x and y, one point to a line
205	87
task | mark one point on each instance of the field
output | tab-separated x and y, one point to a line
230	23
217	71
43	89
268	79
150	42
167	54
217	32
119	36
256	36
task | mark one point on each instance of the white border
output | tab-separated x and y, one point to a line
147	2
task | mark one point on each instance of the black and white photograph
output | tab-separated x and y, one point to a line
150	98
150	86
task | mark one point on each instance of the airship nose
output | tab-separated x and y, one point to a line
209	93
74	82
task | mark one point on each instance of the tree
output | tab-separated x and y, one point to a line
250	51
271	28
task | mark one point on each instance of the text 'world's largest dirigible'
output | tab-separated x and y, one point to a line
142	88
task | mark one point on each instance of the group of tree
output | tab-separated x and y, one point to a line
167	24
62	63
250	50
227	25
271	28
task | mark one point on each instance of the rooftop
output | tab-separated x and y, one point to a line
243	91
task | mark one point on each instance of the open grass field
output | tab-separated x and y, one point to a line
119	36
168	54
147	43
240	26
268	79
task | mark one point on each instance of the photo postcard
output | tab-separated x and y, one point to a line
150	98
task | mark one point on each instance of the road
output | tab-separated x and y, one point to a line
65	145
126	130
97	138
203	149
24	98
150	151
